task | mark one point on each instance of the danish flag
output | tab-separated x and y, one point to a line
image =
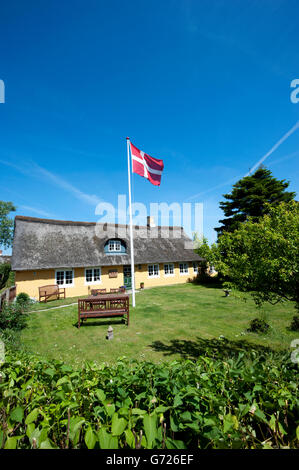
149	167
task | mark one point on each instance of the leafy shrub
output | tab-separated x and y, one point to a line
13	316
244	402
295	323
23	299
11	338
5	270
258	325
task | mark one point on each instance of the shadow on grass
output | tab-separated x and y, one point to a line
213	348
100	323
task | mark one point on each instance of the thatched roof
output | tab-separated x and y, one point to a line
44	244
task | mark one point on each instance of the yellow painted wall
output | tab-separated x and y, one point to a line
30	281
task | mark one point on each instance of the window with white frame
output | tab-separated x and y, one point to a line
65	277
114	245
169	269
195	268
92	275
153	270
184	268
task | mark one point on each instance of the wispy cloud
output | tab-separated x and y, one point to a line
33	169
36	211
275	147
214	188
260	161
62	183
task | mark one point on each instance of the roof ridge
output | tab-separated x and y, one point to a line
70	222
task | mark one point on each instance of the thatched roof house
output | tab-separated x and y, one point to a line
43	245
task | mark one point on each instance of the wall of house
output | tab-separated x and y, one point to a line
30	281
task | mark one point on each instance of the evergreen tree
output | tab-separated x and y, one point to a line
249	198
6	224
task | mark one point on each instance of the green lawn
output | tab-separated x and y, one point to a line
167	323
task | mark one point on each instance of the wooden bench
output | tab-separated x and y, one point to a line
103	306
98	291
47	292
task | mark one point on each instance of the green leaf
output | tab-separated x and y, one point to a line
107	441
177	401
138	411
11	443
50	372
161	409
261	415
230	422
75	427
118	425
47	444
186	416
17	414
30	429
32	416
150	429
130	438
63	380
110	409
101	395
90	438
174	424
174	444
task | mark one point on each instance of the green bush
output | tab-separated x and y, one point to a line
5	271
13	316
11	338
245	402
23	299
295	323
258	325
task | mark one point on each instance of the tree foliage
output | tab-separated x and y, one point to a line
206	251
250	197
6	224
262	257
5	270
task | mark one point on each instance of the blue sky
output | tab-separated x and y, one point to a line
203	85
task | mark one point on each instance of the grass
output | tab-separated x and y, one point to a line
167	323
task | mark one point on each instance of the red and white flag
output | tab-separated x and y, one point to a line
149	167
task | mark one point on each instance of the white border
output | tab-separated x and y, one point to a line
170	274
93	283
153	276
65	269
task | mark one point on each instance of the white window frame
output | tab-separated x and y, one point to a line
93	282
169	274
64	270
184	273
195	267
153	275
116	243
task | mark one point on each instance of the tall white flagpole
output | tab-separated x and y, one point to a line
131	226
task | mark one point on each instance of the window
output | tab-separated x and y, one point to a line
93	275
114	245
168	269
153	270
184	268
65	278
195	268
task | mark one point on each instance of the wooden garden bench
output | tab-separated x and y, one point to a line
47	292
101	306
98	291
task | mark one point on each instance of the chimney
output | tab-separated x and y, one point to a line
150	222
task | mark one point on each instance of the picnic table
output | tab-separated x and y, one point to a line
103	305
